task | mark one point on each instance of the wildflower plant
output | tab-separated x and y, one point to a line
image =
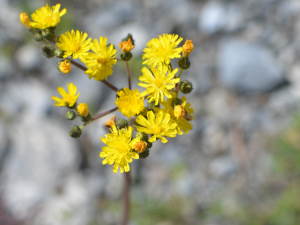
155	112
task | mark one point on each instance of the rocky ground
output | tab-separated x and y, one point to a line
246	75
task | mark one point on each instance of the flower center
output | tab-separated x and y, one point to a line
158	82
75	47
101	60
47	19
69	100
157	129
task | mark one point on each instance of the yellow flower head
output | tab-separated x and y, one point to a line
111	122
74	44
47	17
126	46
177	115
83	109
25	20
159	125
100	62
158	83
65	67
119	149
68	99
160	50
129	102
187	48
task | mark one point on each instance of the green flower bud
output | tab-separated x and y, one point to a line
149	145
37	34
48	51
176	101
59	53
71	115
185	87
122	123
75	132
127	37
142	136
49	33
126	56
86	118
184	63
151	105
144	154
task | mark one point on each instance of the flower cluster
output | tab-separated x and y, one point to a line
155	113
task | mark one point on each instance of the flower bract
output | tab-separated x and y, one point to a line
129	102
158	83
119	149
100	62
68	99
160	50
47	17
74	44
158	125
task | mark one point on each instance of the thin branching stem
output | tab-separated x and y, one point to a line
103	81
126	198
128	73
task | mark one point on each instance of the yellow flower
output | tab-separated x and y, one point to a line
65	67
119	149
129	102
178	117
157	83
74	44
68	99
159	125
160	50
47	17
126	46
140	146
100	62
83	109
187	48
25	20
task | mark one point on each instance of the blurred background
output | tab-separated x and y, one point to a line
240	165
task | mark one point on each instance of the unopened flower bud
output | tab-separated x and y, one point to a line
75	132
126	46
140	146
59	53
126	56
83	109
49	33
149	145
151	105
187	48
127	38
144	154
121	123
176	101
184	63
25	20
70	115
185	87
64	66
142	136
111	122
36	34
48	51
179	111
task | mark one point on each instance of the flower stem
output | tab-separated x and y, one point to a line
103	81
180	73
98	117
128	73
126	199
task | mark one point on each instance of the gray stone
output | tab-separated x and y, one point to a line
29	57
248	68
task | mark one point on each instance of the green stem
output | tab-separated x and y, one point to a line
180	73
128	73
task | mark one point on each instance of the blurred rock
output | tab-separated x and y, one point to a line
222	167
29	57
248	68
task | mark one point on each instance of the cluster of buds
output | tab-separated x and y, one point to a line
156	113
